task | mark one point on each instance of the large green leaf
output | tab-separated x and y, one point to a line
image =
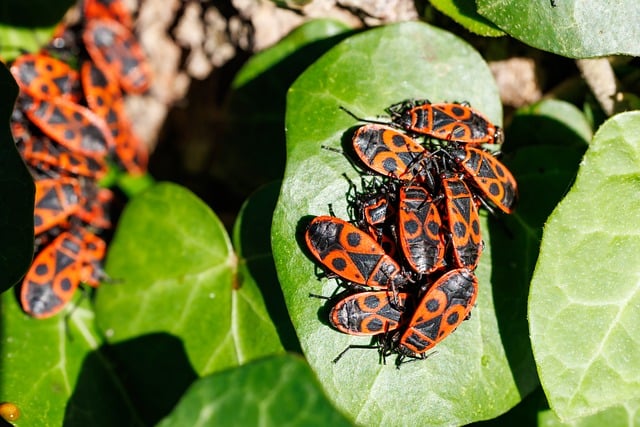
177	309
27	25
584	297
257	105
525	413
16	195
464	13
471	376
577	29
252	240
550	122
56	372
623	415
277	391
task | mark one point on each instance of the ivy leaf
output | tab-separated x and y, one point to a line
465	13
257	104
27	25
469	377
54	369
571	28
252	240
550	122
309	40
275	391
17	194
177	309
620	415
584	293
525	413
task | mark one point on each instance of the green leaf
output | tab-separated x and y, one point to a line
257	104
275	391
464	13
549	122
471	376
290	55
525	413
622	415
56	372
27	25
16	195
543	174
176	292
576	29
129	184
134	184
584	294
252	240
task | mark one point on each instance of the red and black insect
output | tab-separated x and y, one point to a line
111	9
131	153
53	277
368	313
420	233
117	53
104	97
489	175
446	304
45	77
374	208
378	216
94	212
389	152
352	254
52	159
73	257
430	212
461	214
56	200
93	253
446	121
71	125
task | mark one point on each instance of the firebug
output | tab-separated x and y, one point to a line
117	53
351	253
463	221
489	175
111	9
45	77
368	313
52	159
106	100
446	121
420	230
55	201
73	257
53	277
374	208
389	152
92	256
69	124
445	305
94	212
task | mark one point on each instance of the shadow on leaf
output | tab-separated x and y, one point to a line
154	372
257	122
544	174
34	13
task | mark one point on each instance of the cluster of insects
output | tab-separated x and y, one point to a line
69	124
410	253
